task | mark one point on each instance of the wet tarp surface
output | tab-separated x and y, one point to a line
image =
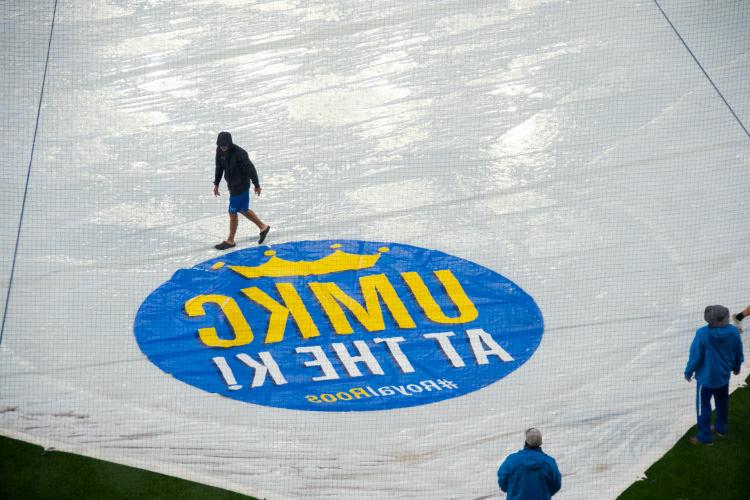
570	166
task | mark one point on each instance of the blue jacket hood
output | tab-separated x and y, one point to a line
533	460
721	335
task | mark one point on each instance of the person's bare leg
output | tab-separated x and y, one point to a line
233	221
255	219
263	227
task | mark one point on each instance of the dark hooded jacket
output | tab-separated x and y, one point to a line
529	474
237	169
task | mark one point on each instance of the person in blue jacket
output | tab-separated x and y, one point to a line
529	474
716	351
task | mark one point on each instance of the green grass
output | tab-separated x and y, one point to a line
720	472
27	472
686	472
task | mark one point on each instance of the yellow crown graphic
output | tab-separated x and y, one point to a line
337	261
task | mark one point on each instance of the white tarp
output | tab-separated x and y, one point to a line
576	148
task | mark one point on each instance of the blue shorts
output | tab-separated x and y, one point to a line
239	202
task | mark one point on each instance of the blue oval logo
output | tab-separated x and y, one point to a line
339	326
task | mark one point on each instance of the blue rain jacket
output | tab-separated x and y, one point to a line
714	354
529	474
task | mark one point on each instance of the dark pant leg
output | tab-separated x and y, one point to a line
721	400
703	408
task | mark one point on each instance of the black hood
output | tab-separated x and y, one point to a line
224	139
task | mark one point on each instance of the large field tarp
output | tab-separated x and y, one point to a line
485	216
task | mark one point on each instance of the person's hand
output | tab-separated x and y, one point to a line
737	371
688	377
216	190
257	190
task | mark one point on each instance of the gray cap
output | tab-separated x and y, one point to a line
534	437
716	316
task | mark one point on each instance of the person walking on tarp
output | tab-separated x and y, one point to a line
715	352
234	164
529	474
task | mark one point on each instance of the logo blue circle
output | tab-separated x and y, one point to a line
339	326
